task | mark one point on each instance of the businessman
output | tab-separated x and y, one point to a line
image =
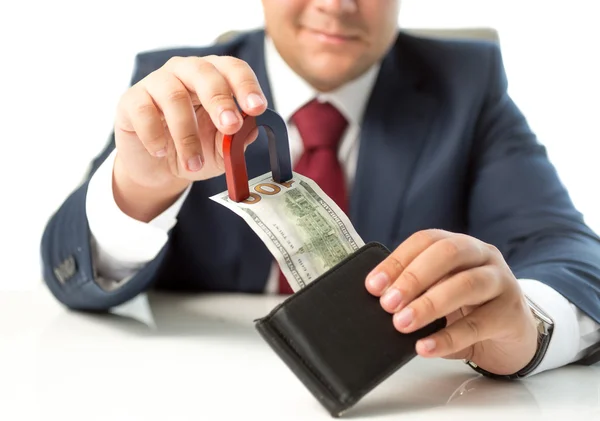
417	139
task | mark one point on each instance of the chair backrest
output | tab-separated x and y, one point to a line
226	36
479	33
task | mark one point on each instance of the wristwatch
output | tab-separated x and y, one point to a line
545	327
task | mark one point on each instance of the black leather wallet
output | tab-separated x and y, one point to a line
336	338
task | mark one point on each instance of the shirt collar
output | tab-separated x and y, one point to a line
290	91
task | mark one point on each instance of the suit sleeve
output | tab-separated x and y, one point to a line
519	204
121	245
67	248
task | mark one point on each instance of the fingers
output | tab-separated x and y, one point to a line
215	81
161	106
204	82
144	118
390	269
421	261
243	82
468	288
440	260
173	99
458	338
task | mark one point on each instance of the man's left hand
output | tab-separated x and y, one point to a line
435	274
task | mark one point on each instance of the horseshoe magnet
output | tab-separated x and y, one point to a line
236	173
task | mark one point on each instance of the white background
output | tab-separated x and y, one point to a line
64	64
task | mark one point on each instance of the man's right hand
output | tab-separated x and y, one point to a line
169	129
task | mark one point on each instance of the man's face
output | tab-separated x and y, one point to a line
330	42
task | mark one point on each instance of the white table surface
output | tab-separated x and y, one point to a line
173	358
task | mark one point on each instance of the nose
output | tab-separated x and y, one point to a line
337	6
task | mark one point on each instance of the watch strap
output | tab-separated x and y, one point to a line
545	329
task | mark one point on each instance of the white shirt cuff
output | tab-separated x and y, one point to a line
565	342
123	244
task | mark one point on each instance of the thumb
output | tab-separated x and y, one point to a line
463	354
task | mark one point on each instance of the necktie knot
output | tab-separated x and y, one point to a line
320	125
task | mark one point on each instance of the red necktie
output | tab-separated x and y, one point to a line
321	127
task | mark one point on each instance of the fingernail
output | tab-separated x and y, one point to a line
254	101
161	153
195	163
391	299
428	344
404	318
228	118
379	282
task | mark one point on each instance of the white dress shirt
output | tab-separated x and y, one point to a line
121	245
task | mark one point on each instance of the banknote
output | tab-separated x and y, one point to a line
300	225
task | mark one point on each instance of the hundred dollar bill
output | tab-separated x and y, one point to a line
301	226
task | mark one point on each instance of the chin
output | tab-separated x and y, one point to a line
330	73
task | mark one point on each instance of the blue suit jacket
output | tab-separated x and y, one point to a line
442	146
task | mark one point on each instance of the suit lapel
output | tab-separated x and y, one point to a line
395	128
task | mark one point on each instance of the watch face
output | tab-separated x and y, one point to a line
541	317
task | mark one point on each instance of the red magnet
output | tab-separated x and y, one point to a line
236	173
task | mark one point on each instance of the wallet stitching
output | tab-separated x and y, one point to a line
352	399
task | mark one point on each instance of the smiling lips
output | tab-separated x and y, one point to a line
332	38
